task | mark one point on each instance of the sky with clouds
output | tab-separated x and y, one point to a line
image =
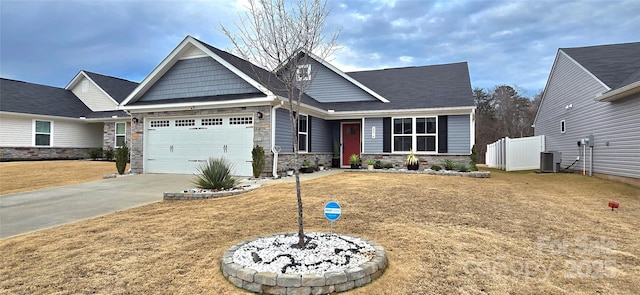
504	42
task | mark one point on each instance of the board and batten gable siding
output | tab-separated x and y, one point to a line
615	126
197	77
459	134
283	131
321	135
94	98
17	131
373	145
327	86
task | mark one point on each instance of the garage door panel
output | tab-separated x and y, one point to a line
176	148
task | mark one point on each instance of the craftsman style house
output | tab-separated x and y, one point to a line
202	102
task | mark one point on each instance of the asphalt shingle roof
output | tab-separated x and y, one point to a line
616	65
117	88
29	98
435	86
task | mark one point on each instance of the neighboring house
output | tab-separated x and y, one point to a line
202	102
594	93
44	122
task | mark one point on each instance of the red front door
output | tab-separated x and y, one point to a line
350	141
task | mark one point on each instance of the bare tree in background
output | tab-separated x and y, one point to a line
280	36
500	113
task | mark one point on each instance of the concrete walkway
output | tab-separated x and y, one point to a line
26	212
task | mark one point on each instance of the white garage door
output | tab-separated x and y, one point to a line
180	145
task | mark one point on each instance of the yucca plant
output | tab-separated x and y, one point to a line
215	174
412	161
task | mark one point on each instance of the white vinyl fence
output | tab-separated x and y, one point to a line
513	154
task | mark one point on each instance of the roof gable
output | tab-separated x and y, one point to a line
118	89
186	49
616	65
29	98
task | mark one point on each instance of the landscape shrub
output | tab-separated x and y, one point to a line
474	159
109	154
258	160
215	174
463	168
122	158
449	164
436	168
95	154
387	165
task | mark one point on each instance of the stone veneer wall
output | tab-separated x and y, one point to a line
42	153
425	160
327	283
109	134
261	131
286	160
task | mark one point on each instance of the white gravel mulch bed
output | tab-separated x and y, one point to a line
324	253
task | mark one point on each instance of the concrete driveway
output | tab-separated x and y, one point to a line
26	212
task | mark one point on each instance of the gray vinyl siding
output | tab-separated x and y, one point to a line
327	86
458	134
321	136
615	126
197	77
373	145
283	131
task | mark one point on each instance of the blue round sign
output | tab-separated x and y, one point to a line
332	211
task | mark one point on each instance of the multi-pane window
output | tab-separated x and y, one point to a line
303	133
42	133
159	123
425	134
211	121
185	122
241	121
303	72
415	134
402	134
121	134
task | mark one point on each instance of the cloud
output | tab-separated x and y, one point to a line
504	42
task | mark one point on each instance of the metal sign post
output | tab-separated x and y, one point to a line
332	212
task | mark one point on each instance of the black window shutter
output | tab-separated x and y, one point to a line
442	135
308	133
386	134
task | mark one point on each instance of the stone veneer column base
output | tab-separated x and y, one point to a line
327	283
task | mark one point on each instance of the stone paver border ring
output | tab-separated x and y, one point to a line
329	282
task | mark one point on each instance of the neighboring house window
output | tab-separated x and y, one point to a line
563	126
42	134
85	86
303	133
303	73
121	134
415	134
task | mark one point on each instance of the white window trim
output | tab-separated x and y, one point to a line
414	136
116	134
33	142
303	68
563	126
305	133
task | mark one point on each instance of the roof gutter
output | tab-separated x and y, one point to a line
616	94
335	115
198	105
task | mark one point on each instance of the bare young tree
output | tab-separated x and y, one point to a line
281	37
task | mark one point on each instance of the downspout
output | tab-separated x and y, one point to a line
275	149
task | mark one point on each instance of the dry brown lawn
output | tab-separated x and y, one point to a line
34	175
443	235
